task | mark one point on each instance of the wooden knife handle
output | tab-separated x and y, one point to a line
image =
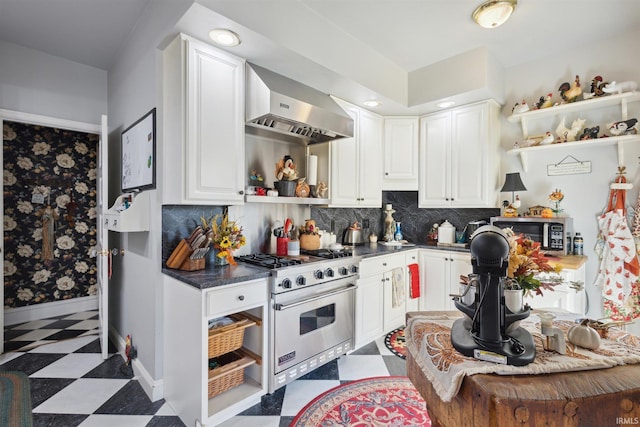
180	253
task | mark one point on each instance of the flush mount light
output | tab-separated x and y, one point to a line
493	13
445	104
372	103
224	37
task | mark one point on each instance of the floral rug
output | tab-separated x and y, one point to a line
395	342
380	401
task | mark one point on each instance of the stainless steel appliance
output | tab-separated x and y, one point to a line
312	316
550	232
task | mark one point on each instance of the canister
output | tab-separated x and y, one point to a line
446	233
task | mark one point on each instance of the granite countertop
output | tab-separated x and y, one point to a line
214	276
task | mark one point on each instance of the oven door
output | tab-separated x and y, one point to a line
310	321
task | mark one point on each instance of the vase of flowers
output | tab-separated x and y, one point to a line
555	198
526	263
225	236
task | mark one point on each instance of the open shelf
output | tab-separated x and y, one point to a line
289	200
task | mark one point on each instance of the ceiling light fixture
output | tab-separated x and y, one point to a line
493	13
445	104
372	103
224	37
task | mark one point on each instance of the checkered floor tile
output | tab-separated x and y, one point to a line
71	385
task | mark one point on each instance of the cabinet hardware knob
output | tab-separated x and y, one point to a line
386	173
241	297
384	264
241	192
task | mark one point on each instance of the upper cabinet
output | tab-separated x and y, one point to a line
203	100
459	157
400	154
356	162
603	110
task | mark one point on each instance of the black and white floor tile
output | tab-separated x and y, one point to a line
71	385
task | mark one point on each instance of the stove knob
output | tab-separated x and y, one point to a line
301	281
286	283
343	271
329	272
354	269
318	274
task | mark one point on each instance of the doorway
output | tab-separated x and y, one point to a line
50	208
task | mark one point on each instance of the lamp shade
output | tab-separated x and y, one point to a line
493	13
512	182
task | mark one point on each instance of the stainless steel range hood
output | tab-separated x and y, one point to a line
293	111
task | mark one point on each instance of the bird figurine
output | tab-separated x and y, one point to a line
516	203
520	108
615	87
548	138
622	127
570	93
596	86
547	102
565	134
590	133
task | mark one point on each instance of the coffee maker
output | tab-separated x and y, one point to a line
489	330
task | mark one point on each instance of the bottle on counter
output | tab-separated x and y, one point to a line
578	244
569	244
398	235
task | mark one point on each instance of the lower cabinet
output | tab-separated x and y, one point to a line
441	271
376	312
206	390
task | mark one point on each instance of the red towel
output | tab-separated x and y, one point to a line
414	272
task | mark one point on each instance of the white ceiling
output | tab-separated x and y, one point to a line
359	48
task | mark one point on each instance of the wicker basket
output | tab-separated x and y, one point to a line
228	338
230	374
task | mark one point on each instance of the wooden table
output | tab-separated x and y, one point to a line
601	397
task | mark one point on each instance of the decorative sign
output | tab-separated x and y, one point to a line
569	168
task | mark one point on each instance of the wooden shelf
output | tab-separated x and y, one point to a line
620	141
288	200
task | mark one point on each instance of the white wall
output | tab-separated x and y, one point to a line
38	83
585	194
134	88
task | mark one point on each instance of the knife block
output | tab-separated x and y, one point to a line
179	258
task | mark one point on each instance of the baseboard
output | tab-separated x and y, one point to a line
14	316
153	388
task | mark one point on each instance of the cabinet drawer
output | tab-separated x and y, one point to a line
236	298
380	264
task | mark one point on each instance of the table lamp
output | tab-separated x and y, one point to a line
513	183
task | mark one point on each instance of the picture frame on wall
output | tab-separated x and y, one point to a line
138	154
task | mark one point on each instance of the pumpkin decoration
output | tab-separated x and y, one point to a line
584	336
547	213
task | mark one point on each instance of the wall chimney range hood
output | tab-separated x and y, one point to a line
281	108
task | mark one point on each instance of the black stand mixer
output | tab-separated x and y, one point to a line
488	330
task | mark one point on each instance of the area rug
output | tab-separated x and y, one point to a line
395	342
15	399
379	401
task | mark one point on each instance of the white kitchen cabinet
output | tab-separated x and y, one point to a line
356	162
187	311
550	117
203	93
441	271
459	157
411	257
400	154
375	314
563	296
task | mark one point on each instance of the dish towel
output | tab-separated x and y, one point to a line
414	274
397	287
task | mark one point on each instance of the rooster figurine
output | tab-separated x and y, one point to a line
544	102
520	108
570	93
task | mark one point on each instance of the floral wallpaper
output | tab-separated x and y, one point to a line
49	178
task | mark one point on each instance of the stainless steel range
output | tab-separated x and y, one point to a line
312	314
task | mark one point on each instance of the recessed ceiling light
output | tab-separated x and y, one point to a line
372	103
445	104
493	13
224	37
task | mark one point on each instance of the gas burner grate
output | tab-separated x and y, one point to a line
327	253
268	261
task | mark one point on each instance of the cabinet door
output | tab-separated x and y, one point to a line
214	140
369	309
344	167
469	156
393	316
370	165
400	154
459	265
435	286
435	141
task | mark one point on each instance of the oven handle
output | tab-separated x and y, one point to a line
282	307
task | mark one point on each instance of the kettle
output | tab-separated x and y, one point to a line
353	235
